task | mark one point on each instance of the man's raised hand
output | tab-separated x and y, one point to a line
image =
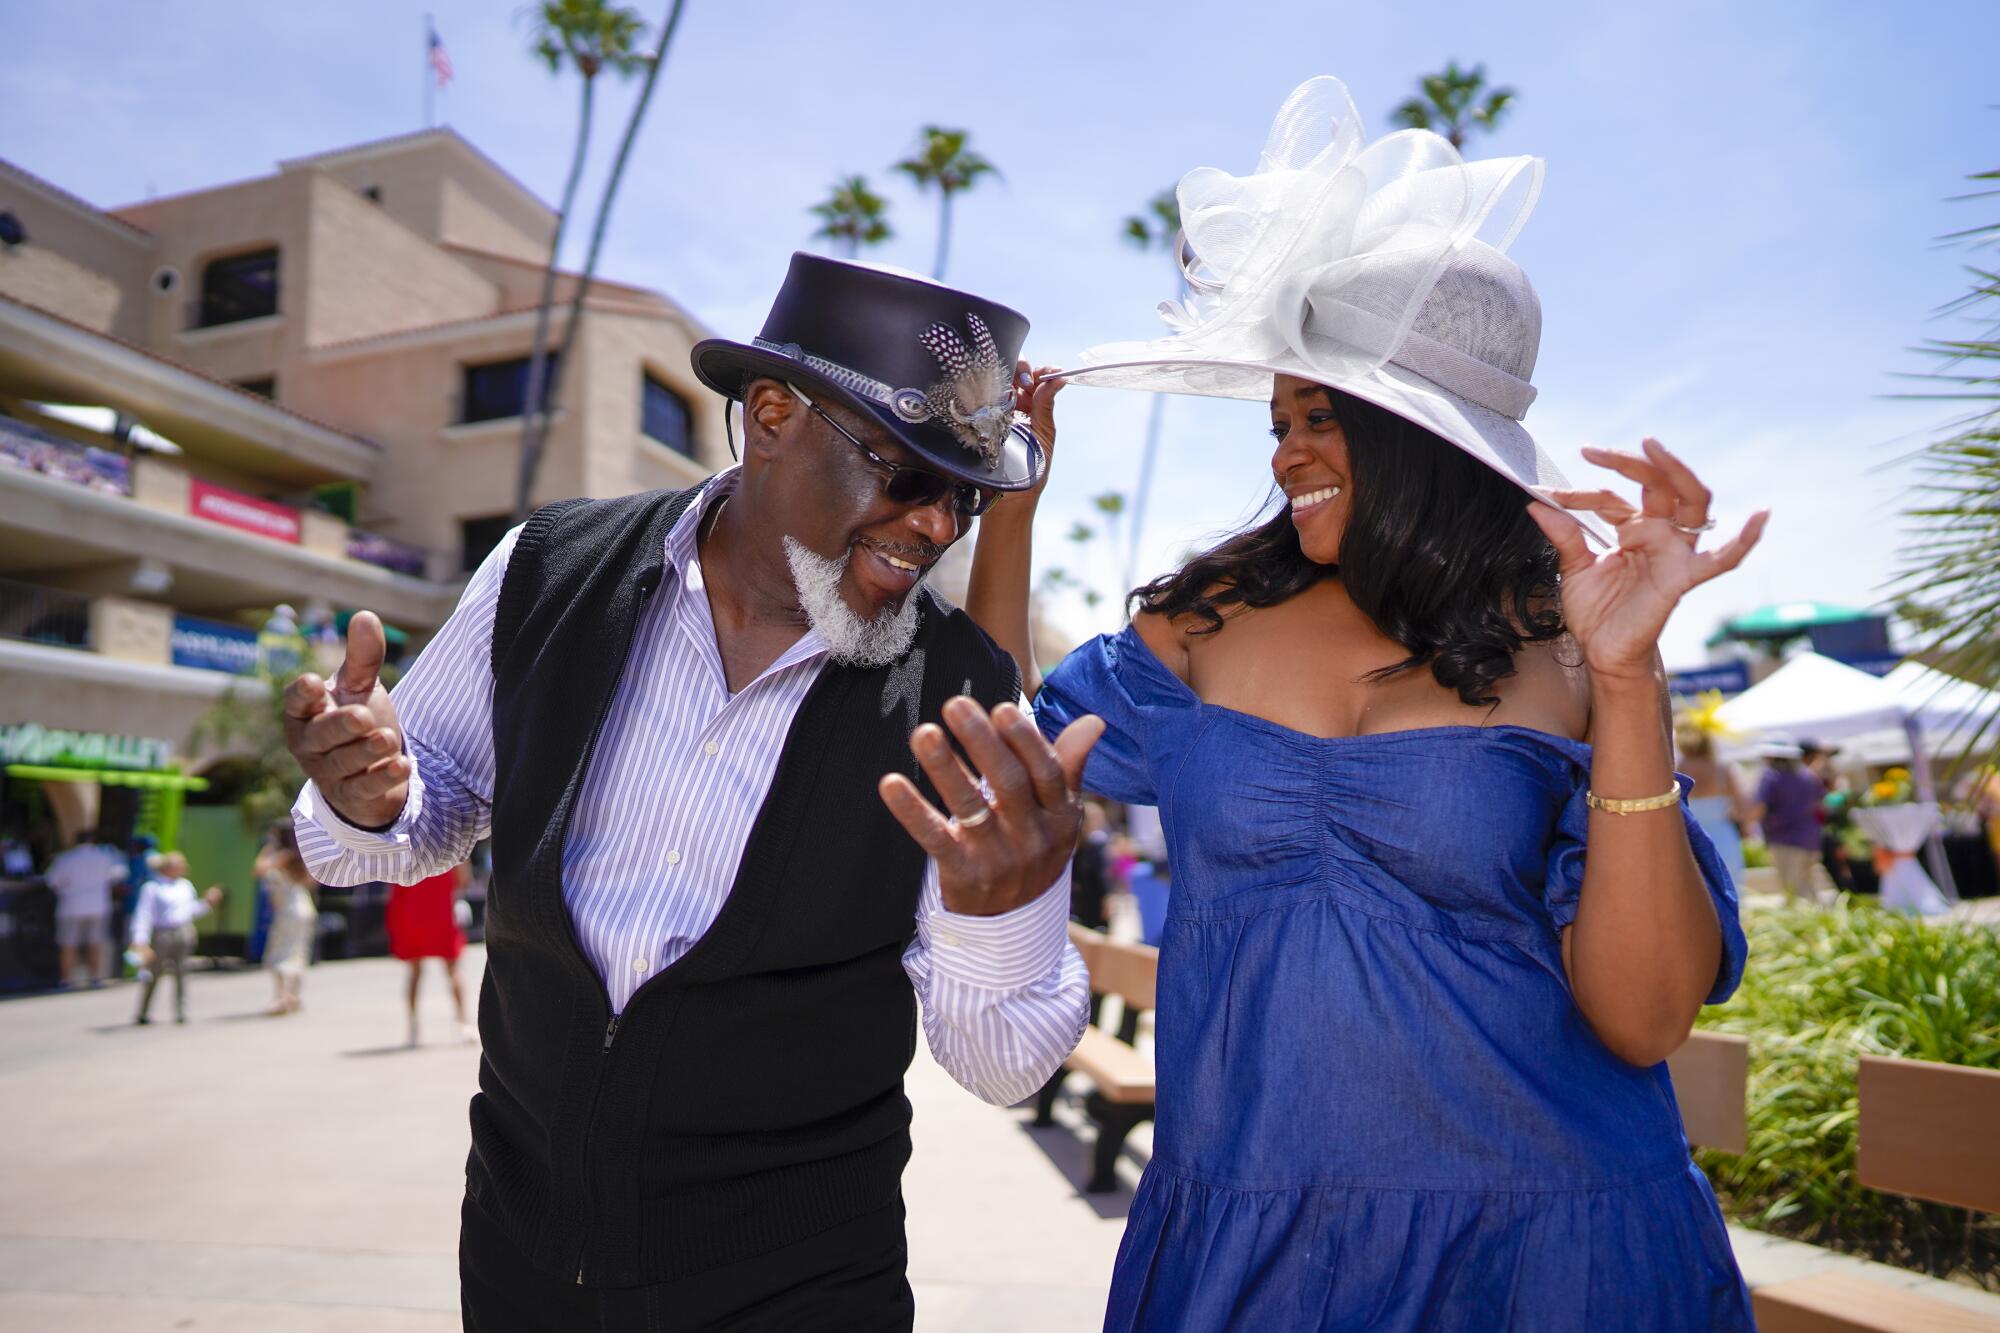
344	732
994	856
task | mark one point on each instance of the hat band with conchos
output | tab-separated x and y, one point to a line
972	375
930	366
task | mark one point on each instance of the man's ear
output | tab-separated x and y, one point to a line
768	407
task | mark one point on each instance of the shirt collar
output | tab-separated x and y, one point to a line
684	558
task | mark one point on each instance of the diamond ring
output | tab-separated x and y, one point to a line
1692	529
974	821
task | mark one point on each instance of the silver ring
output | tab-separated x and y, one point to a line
1694	530
974	821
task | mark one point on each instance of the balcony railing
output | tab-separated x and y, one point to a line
35	450
44	615
387	553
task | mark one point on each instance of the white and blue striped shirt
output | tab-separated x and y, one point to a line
669	797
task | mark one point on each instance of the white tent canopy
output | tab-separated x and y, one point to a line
1813	698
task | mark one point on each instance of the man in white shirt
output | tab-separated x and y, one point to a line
81	879
163	931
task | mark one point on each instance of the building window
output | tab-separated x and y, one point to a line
238	288
665	416
263	388
500	389
478	537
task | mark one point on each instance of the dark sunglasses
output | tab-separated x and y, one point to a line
914	486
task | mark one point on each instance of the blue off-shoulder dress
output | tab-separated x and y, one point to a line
1379	1107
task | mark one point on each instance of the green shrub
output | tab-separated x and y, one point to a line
1825	986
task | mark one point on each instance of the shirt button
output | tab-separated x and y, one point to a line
711	749
673	858
951	939
638	965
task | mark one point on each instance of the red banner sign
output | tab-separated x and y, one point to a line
219	504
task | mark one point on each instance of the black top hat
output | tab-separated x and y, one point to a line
931	365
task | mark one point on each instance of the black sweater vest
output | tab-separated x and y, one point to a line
750	1094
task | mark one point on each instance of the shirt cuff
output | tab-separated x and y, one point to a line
1005	952
315	808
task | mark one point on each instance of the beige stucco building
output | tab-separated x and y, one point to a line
303	388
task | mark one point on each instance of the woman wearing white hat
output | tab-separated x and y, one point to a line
1410	1035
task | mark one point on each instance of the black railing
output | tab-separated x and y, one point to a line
44	615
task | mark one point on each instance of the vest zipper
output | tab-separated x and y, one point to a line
647	583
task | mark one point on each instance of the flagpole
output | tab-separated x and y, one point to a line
430	79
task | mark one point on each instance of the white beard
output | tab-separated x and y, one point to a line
850	640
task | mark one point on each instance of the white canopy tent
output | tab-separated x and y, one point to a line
1812	698
1911	715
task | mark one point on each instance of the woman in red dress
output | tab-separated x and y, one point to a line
423	923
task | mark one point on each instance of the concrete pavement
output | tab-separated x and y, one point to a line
305	1173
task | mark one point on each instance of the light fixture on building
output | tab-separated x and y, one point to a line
12	233
151	577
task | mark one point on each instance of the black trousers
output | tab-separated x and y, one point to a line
851	1277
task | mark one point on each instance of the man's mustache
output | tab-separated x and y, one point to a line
917	553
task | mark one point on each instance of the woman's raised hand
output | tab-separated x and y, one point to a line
1617	603
1035	395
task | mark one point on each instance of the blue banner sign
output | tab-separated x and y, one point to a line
214	646
1728	677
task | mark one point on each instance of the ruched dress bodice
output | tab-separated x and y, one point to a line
1379	1107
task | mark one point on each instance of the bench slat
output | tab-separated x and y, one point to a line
1927	1130
1130	971
1121	1074
1711	1076
1836	1302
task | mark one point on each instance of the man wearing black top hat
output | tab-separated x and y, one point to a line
733	846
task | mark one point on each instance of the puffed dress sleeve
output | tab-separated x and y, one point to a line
1565	883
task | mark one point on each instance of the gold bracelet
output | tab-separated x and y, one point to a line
1633	807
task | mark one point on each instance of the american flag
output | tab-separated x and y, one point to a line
440	62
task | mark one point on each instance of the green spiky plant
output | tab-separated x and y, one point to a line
1156	227
1948	581
1454	103
945	162
852	215
1825	987
592	35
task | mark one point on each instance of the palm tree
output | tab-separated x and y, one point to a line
852	215
943	162
1451	104
538	413
591	36
1155	227
1951	563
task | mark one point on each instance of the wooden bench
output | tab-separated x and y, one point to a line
1711	1076
1122	1078
1926	1131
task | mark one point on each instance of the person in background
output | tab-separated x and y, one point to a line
423	923
81	879
1836	812
163	931
1985	801
1089	869
1786	806
1716	801
294	896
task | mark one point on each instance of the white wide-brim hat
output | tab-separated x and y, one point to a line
1377	270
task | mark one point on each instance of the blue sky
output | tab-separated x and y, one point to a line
1735	249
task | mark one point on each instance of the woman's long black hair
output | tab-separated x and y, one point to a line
1439	551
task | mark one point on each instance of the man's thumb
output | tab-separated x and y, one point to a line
1073	747
366	647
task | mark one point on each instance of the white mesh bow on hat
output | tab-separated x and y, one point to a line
1378	270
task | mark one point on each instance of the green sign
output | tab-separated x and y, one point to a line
28	743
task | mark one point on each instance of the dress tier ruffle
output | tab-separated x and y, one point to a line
1378	1106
